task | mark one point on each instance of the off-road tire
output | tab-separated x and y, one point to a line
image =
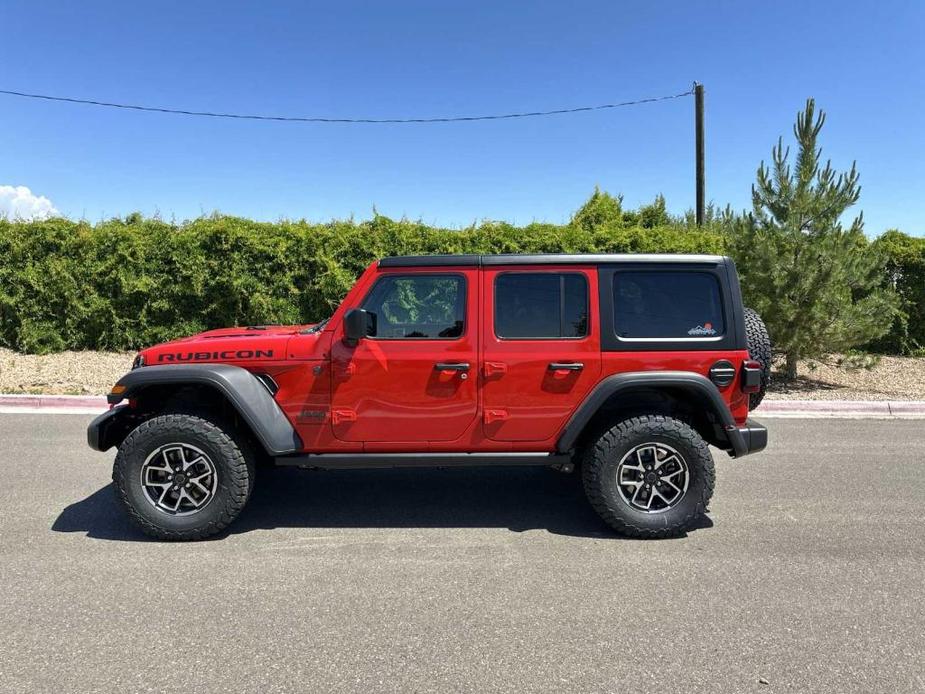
759	348
601	460
233	461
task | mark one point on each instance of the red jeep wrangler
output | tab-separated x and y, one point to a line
624	365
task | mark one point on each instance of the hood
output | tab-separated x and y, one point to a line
255	331
230	345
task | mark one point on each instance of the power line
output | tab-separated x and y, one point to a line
315	119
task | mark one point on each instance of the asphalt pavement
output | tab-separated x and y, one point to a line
808	575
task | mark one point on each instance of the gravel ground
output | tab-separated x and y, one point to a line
93	373
892	378
65	373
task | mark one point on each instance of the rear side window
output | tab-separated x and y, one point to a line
541	305
667	305
417	307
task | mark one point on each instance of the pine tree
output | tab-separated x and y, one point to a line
817	284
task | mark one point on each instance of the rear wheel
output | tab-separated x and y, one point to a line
649	476
183	477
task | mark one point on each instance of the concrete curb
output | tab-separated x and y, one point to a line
845	409
52	404
803	409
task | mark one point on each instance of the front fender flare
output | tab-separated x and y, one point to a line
243	391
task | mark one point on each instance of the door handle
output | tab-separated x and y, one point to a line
441	366
566	366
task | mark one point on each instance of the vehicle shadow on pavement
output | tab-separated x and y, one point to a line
518	499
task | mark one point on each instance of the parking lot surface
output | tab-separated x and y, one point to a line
809	575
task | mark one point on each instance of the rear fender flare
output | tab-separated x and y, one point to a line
697	385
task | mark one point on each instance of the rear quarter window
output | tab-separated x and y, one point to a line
667	305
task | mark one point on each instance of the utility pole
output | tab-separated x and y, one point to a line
698	127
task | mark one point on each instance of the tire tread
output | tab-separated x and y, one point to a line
237	471
759	348
620	435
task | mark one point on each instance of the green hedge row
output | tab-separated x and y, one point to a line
128	283
906	274
124	284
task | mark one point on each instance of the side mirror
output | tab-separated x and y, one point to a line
357	323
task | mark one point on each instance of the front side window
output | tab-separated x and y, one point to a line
541	305
417	307
667	305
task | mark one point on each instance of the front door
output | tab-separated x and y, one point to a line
540	349
413	378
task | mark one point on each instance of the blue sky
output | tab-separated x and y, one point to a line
863	62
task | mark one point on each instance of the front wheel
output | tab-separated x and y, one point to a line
182	477
649	476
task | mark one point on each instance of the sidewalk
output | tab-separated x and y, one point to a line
798	409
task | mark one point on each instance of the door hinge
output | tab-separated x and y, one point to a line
343	372
494	368
341	416
495	416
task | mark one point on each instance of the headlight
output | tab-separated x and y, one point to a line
139	362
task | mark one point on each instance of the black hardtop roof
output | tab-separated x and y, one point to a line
547	259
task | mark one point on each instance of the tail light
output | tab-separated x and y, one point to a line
751	376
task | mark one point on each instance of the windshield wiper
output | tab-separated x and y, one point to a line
316	327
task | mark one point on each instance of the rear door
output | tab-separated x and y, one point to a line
540	348
409	380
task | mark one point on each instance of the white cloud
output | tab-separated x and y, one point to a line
18	202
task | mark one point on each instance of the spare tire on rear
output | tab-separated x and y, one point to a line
759	348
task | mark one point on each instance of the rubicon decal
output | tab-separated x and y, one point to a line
214	356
